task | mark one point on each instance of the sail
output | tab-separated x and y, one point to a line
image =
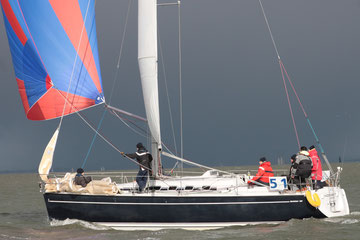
53	46
147	57
47	158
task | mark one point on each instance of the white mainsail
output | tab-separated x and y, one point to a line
47	158
148	57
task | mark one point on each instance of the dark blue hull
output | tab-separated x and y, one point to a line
160	209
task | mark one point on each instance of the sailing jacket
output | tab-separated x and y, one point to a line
143	157
316	171
265	171
302	165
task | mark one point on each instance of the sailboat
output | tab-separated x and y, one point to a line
58	73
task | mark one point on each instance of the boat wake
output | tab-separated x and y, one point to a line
92	226
342	220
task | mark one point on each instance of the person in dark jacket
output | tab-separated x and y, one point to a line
292	160
144	159
301	168
80	179
265	171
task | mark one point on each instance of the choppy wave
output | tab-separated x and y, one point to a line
334	220
92	226
350	221
355	213
342	220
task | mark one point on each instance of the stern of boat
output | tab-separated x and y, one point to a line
334	202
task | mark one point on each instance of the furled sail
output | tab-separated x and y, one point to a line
53	46
147	57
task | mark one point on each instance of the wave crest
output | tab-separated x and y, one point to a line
350	221
93	226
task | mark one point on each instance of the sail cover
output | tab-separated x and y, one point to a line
147	57
53	46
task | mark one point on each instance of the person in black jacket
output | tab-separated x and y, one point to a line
301	167
80	179
144	159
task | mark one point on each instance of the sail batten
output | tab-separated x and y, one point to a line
52	41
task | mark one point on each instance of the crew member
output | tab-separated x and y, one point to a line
302	166
292	160
144	159
316	171
264	172
80	179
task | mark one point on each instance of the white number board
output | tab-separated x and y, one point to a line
278	183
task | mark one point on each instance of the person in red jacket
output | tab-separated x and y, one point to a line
316	171
265	171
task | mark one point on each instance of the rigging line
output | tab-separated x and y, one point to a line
195	164
180	82
98	132
293	88
288	99
125	113
180	93
268	26
130	121
303	109
94	137
309	123
167	93
122	120
112	89
93	140
172	170
145	136
76	57
282	70
282	73
120	51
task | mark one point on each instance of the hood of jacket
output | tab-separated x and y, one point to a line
313	152
306	153
141	150
266	164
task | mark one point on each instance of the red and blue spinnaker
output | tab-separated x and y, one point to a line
55	55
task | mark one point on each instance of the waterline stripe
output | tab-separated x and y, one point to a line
185	225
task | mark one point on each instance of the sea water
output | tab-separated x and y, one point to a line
23	216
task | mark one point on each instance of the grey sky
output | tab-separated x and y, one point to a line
234	105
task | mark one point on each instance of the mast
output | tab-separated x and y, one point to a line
148	65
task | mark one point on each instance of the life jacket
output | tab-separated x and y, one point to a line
316	171
265	171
